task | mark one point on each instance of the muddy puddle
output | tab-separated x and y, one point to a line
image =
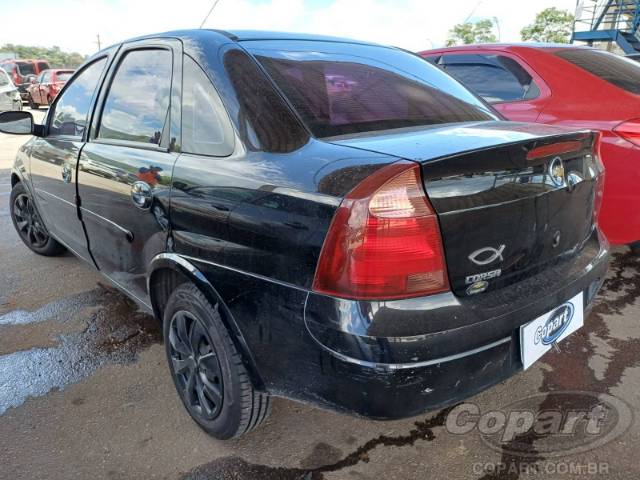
111	331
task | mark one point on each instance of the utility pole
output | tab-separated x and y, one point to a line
98	42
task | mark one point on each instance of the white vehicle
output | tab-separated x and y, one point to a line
9	95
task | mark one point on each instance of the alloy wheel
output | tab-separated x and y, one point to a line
195	365
28	221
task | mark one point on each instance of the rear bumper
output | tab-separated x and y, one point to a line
397	359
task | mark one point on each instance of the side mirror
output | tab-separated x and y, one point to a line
17	123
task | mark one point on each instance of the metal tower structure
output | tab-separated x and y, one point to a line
616	21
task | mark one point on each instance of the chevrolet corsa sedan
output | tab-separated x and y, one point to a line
571	86
320	219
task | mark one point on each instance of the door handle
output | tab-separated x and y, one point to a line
141	195
67	173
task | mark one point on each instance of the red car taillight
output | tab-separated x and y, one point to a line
630	131
384	241
599	194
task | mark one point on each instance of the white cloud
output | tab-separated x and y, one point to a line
411	24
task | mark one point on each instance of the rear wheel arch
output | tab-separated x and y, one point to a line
14	179
167	272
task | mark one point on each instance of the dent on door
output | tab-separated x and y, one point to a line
125	203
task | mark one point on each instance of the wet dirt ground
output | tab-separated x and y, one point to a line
85	393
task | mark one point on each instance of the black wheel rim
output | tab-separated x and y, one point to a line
195	365
28	222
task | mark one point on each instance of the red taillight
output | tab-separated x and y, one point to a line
630	131
384	241
599	193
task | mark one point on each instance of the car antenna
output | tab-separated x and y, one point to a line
207	16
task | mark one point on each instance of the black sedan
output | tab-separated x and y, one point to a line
321	219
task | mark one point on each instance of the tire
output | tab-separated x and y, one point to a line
635	248
207	369
29	225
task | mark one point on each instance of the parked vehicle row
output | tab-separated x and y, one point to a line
571	86
321	219
22	71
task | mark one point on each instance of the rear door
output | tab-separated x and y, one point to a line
502	80
43	87
54	157
124	173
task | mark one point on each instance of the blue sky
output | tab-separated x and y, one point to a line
411	24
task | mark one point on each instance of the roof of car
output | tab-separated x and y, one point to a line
532	45
242	36
249	35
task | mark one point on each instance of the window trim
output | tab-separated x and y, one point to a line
545	91
165	141
52	109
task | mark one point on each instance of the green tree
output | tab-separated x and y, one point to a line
551	25
471	32
56	57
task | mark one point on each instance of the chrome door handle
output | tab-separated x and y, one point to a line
67	173
141	195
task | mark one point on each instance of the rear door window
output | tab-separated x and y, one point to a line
43	66
72	107
137	104
4	78
206	129
619	71
496	78
63	76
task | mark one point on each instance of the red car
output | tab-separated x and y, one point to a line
571	86
21	71
46	87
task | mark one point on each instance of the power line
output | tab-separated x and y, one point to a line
207	17
473	11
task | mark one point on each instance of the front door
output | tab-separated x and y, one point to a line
55	157
124	175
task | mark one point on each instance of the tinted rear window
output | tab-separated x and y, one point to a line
619	71
341	89
26	68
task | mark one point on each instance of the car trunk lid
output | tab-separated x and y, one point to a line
512	199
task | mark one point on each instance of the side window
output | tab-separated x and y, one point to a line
72	108
40	78
46	77
206	129
433	59
4	79
496	78
137	105
265	123
43	66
